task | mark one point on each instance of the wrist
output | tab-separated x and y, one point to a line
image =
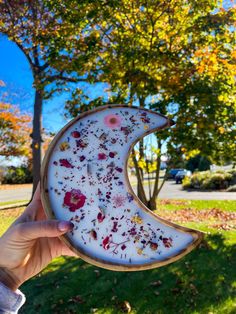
9	279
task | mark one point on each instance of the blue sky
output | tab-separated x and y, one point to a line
16	74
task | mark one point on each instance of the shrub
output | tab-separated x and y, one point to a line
186	183
207	180
232	188
1	175
17	175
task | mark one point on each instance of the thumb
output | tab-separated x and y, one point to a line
41	229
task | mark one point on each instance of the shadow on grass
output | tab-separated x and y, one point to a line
200	283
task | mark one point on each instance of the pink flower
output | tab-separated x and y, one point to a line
102	156
65	163
119	200
74	199
112	121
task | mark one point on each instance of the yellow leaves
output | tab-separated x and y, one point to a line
141	163
221	130
191	153
156	151
221	97
14	131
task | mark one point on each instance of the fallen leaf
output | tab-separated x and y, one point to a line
156	283
126	307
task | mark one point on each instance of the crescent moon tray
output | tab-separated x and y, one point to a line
84	180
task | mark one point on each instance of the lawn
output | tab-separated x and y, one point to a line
202	282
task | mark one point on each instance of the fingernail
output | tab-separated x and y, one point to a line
65	226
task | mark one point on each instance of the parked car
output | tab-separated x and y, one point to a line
172	173
182	174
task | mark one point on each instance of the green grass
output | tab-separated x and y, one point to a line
202	282
197	204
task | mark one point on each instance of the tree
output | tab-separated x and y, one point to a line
54	48
199	163
175	57
14	131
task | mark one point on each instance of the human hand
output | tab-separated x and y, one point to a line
30	244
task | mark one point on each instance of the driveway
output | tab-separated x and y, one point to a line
169	190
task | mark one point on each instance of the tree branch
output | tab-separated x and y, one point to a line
27	56
64	78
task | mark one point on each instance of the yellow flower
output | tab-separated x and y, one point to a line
64	146
139	251
137	219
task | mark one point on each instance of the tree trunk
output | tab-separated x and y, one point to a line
36	138
140	188
156	189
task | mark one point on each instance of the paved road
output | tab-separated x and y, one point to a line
169	190
175	191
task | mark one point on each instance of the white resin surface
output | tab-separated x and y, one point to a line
87	185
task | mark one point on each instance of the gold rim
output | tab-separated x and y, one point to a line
196	234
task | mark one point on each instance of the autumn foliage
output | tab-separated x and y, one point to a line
14	131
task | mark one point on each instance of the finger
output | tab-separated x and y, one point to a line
41	229
34	211
36	196
66	251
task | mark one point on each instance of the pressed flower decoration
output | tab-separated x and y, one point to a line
112	121
74	200
87	184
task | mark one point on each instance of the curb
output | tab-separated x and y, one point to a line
11	206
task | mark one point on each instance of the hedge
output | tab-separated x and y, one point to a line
207	180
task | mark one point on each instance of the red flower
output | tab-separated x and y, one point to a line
74	200
75	134
65	163
80	143
111	154
167	242
123	247
114	228
153	246
82	158
100	217
106	242
93	234
119	169
102	156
